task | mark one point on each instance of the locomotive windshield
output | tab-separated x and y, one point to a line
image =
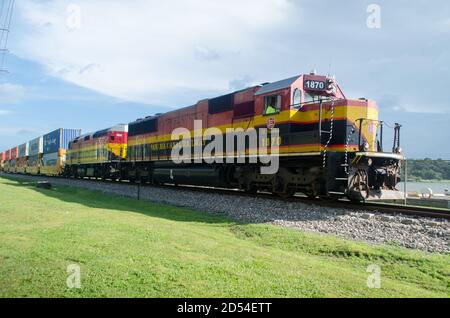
311	98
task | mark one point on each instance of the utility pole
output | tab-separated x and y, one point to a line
405	174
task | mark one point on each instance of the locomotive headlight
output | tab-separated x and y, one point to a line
330	86
366	146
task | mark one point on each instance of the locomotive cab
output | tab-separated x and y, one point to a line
329	145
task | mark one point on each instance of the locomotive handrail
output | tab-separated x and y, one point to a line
396	143
380	122
320	103
315	102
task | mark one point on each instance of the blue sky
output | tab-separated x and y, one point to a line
91	64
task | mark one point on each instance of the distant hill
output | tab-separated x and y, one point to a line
428	169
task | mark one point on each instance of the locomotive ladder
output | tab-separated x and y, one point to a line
325	150
330	132
345	165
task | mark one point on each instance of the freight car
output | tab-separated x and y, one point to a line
2	161
55	146
7	159
45	155
13	153
35	155
22	158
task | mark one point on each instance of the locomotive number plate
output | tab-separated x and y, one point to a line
314	85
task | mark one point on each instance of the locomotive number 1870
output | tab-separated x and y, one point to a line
315	85
271	141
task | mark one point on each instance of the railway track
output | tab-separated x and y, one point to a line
388	208
385	208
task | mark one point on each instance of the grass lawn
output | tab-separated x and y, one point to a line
130	248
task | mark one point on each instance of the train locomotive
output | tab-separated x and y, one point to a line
99	154
328	145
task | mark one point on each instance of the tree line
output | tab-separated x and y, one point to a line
428	169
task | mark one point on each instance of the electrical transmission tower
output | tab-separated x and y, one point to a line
6	10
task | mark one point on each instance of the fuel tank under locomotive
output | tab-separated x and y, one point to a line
198	175
296	176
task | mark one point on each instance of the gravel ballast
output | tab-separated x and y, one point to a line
432	235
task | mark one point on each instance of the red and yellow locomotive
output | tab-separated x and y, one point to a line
99	154
329	145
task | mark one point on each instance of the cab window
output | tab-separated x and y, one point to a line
297	98
272	104
311	98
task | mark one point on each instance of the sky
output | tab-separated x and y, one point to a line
91	64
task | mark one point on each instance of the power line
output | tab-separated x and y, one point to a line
6	11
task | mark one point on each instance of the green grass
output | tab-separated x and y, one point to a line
129	248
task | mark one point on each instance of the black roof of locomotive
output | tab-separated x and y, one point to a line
275	86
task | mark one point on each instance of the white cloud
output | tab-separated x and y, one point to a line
147	50
15	131
11	93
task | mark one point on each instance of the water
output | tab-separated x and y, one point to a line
437	187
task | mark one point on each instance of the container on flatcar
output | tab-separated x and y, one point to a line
55	145
23	150
22	158
7	159
36	147
59	139
12	160
2	160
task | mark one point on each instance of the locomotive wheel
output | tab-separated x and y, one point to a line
286	195
311	195
360	185
311	192
329	198
251	189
